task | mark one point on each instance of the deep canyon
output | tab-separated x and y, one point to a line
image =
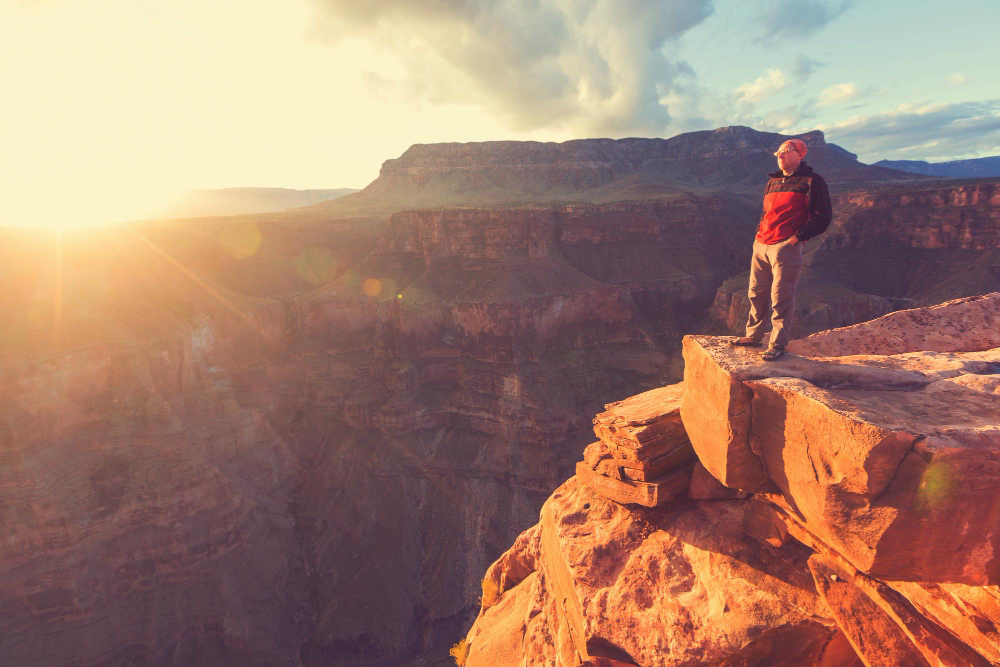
304	437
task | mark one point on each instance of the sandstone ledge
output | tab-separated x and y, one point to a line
869	450
642	449
869	536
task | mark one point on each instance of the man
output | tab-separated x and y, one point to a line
796	209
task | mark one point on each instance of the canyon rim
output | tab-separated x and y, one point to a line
306	437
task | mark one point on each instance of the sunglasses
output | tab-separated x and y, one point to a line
787	150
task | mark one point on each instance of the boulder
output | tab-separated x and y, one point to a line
868	450
869	471
675	585
716	411
642	444
614	482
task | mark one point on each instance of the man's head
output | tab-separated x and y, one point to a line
790	155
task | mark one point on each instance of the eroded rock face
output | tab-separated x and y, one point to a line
873	471
134	495
242	444
680	585
493	172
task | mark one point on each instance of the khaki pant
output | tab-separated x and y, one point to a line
774	277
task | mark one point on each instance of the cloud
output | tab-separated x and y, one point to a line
767	84
922	131
798	18
804	67
840	92
957	78
786	120
698	107
593	67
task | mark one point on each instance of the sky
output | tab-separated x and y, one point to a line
114	106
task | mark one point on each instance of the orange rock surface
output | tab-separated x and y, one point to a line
866	449
869	537
679	585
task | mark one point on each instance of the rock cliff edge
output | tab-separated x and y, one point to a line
842	510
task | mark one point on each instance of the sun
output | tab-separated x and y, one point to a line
82	205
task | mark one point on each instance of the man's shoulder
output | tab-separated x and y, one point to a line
811	175
817	179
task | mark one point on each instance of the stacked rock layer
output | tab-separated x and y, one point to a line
641	448
843	510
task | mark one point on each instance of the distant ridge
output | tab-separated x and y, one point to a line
237	201
980	167
503	173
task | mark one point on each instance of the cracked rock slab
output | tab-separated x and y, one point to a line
882	625
892	459
900	499
716	406
644	426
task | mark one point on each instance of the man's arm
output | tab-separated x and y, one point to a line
820	209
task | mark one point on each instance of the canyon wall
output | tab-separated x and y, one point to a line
982	167
496	173
303	439
319	478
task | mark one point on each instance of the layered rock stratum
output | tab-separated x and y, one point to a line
842	510
980	167
303	437
501	173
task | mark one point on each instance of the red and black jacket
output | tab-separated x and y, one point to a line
797	204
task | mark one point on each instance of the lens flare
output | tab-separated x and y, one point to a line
372	286
388	288
935	486
351	278
414	297
316	265
240	239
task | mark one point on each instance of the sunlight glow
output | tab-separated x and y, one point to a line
372	286
62	203
316	265
240	239
239	312
57	289
113	108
